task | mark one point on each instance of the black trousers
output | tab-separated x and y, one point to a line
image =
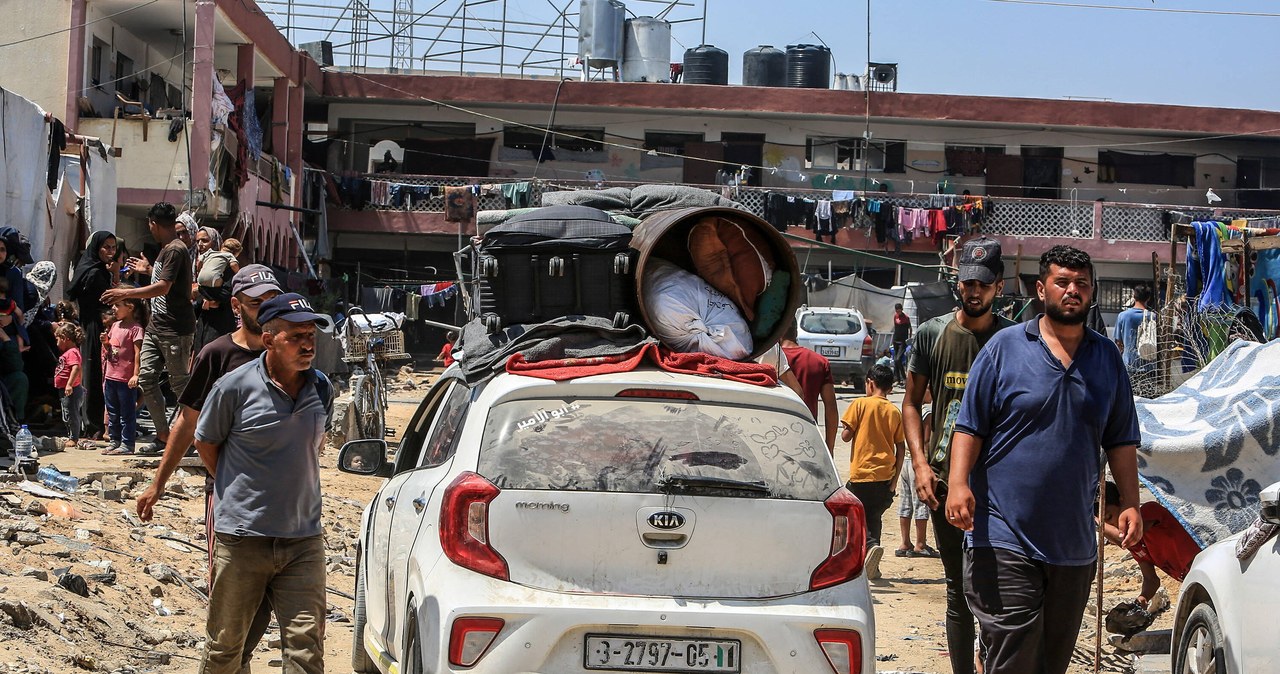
876	498
959	619
1029	611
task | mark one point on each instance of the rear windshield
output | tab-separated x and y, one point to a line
830	324
655	446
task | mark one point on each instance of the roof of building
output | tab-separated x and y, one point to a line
466	91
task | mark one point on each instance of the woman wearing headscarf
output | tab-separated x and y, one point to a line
212	297
95	273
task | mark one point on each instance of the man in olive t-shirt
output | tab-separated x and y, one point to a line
167	341
942	351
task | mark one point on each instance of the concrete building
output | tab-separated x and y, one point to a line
83	59
1103	176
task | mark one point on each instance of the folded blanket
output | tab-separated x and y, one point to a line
562	369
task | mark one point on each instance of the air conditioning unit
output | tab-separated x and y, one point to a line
882	77
320	51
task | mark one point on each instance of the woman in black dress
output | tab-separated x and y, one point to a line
95	273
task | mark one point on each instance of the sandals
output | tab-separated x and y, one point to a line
117	451
926	552
902	552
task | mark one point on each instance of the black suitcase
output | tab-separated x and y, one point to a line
553	262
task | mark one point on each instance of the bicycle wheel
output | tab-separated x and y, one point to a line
369	413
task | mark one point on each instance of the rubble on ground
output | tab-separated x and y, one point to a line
146	583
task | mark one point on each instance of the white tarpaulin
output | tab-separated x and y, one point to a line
1211	445
24	164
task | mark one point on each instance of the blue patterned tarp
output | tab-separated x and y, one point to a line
1210	446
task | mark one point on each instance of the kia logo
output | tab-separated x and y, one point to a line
666	520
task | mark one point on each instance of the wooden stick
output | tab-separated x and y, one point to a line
1102	512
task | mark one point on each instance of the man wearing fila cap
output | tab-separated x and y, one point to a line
942	351
250	287
266	420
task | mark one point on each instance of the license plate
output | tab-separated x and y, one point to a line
829	351
632	653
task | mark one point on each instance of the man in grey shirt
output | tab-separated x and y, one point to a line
260	433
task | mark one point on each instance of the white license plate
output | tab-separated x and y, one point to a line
829	351
632	653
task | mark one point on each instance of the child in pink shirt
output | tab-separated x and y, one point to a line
122	343
66	378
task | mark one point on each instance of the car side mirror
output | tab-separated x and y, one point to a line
363	457
1270	500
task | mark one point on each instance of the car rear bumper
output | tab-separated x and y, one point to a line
546	631
845	369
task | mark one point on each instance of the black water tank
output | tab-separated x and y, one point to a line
764	66
808	66
706	64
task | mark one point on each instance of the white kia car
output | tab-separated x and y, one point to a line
1223	623
842	336
635	522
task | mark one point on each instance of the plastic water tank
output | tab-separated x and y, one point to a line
808	66
646	52
764	66
706	64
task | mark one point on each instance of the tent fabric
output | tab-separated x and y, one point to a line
24	164
1210	446
876	304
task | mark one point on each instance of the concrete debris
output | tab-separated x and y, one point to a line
38	574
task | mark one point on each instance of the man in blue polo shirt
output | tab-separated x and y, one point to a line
261	422
1043	402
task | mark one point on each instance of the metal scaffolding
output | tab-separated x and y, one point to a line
523	38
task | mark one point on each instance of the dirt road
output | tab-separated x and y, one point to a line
118	628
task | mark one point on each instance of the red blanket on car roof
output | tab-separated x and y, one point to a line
697	363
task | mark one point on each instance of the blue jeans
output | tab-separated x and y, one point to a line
71	406
122	412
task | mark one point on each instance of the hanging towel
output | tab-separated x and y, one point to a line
459	204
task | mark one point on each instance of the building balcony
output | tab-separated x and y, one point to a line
1109	231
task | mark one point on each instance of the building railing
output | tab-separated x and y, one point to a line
1006	216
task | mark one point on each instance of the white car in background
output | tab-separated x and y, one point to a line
1224	623
840	334
635	522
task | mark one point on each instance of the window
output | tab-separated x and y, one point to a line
444	433
124	71
851	154
95	61
572	139
970	160
1146	169
428	440
666	143
644	446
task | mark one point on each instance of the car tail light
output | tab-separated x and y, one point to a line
868	347
848	541
843	649
471	638
464	526
656	393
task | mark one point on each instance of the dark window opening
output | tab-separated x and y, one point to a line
560	138
1146	169
970	160
855	154
665	144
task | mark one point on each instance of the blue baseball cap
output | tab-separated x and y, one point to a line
293	308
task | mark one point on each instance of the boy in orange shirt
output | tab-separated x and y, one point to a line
874	425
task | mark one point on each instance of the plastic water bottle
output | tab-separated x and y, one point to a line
24	445
56	479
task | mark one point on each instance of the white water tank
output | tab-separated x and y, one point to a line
600	32
646	50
